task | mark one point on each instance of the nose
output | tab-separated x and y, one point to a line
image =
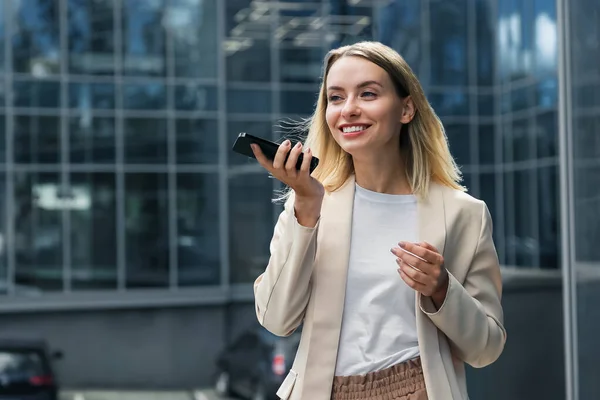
350	109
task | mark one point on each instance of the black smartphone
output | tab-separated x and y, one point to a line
269	149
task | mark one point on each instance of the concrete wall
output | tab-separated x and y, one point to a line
176	347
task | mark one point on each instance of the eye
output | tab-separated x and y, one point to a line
369	94
333	98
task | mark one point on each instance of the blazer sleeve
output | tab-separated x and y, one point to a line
471	316
282	292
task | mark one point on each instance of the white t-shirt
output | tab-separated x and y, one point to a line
379	323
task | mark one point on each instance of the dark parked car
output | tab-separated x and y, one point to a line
256	364
26	372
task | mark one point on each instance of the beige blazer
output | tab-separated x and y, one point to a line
305	282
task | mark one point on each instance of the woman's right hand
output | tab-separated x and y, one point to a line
308	191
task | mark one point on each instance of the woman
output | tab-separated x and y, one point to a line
380	254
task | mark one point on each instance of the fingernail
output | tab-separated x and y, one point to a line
286	142
297	146
402	244
308	150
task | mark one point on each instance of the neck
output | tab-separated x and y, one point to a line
382	173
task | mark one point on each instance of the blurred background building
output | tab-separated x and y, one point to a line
130	234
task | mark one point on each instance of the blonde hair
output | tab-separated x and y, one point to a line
423	141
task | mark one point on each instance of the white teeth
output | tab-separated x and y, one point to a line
348	129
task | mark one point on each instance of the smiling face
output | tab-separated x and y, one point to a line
364	112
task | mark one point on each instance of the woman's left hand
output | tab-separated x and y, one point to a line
425	273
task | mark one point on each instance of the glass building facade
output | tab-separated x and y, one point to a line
119	115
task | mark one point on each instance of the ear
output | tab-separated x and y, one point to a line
408	110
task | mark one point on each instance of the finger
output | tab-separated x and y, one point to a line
306	161
413	273
290	164
421	252
429	247
281	154
411	282
261	158
413	261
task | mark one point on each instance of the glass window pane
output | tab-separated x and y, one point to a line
486	105
485	26
510	205
35	37
525	244
247	41
347	24
250	225
301	102
548	216
547	134
39	201
145	140
587	138
301	65
146	230
197	141
91	37
92	139
36	94
2	138
86	96
522	98
198	244
3	233
3	40
459	140
521	142
256	128
449	66
192	25
37	139
487	144
93	231
144	47
398	25
144	96
195	97
248	101
450	103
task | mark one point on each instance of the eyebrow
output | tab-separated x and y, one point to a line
360	85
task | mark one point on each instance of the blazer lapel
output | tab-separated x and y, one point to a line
329	289
432	229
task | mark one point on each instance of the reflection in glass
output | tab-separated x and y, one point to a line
548	216
587	143
487	144
2	138
93	231
449	43
35	37
3	244
521	140
198	244
146	230
192	26
398	25
145	140
196	97
145	96
459	140
39	201
85	96
301	65
37	139
36	94
301	102
546	35
449	103
546	132
484	37
248	101
3	40
197	141
247	37
525	242
91	33
144	47
91	139
250	225
256	128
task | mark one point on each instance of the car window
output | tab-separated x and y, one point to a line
27	363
